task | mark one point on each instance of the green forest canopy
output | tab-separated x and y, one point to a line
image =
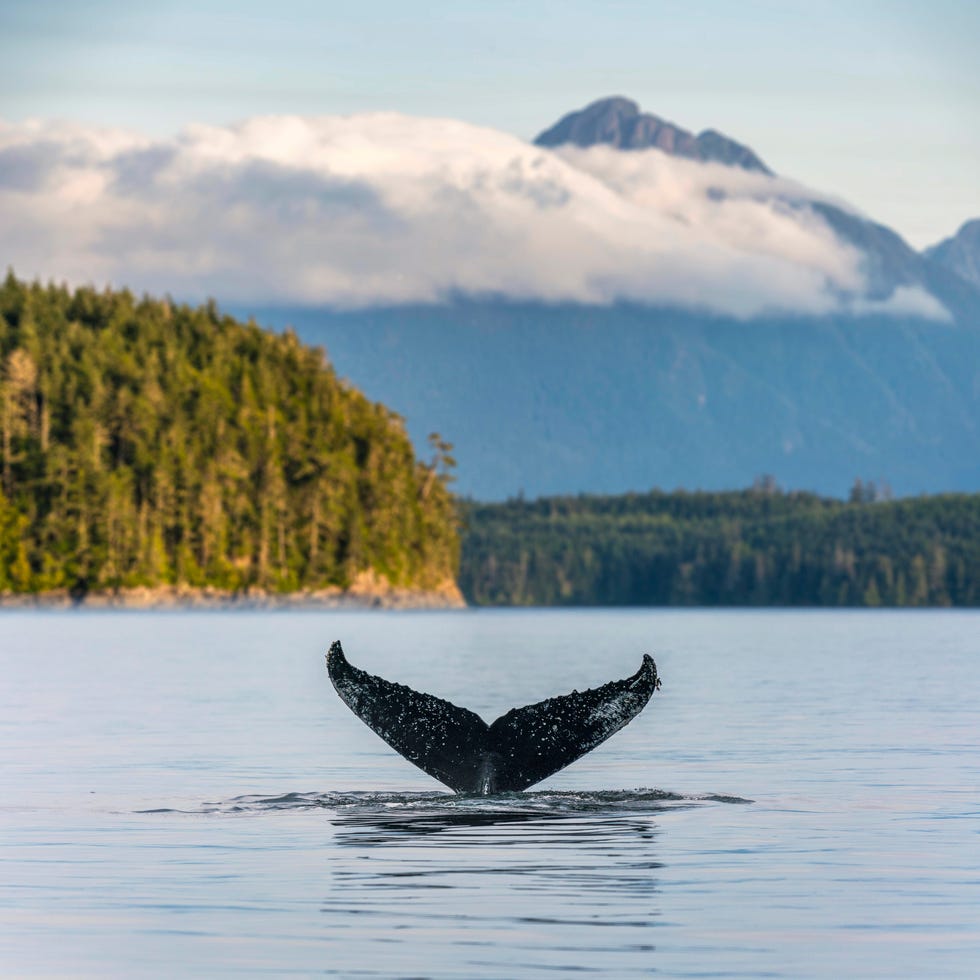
146	443
750	547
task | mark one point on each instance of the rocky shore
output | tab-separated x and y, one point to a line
368	591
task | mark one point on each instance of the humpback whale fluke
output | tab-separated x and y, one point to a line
520	748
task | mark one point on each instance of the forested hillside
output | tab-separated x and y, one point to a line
146	443
752	547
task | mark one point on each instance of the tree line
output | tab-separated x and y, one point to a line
144	443
755	547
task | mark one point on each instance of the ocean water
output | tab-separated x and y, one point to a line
184	794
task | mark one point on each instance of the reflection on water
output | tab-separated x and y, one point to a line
467	879
371	829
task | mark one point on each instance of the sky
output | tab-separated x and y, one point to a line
876	102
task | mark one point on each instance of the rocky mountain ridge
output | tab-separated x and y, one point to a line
618	122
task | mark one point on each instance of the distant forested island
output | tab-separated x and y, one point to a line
148	444
756	547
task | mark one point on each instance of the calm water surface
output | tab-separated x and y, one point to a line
183	793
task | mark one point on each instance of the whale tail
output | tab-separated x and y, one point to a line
519	749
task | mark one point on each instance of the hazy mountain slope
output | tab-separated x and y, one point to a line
961	253
890	263
549	399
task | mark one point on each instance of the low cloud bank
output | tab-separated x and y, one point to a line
384	209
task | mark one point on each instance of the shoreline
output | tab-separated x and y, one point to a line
367	592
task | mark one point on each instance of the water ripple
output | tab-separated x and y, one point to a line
416	811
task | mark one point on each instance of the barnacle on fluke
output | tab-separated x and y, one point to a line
520	748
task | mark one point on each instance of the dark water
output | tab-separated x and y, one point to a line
184	794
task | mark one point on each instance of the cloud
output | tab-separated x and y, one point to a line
385	209
904	301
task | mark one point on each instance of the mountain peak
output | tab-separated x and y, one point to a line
961	253
618	121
